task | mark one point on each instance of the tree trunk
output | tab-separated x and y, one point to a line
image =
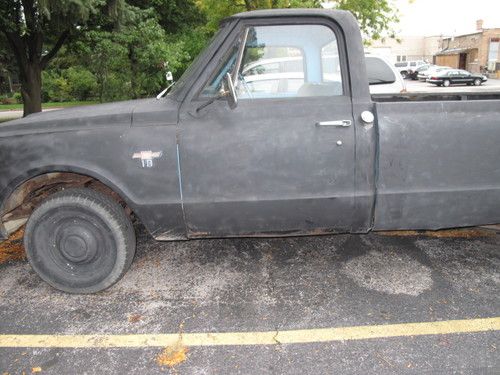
9	79
31	88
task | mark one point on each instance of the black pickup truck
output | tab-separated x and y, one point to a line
271	131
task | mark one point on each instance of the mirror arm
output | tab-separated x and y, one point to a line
207	103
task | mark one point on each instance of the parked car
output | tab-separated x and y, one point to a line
204	162
406	67
423	75
456	77
283	76
383	78
413	75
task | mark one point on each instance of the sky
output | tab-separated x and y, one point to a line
445	17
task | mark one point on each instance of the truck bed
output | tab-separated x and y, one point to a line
432	97
437	162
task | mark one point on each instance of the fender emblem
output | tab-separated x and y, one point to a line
147	157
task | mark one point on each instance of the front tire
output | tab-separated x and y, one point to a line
446	83
80	241
477	82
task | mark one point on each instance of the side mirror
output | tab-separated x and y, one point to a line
169	76
230	91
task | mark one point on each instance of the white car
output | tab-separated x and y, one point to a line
422	76
284	76
406	67
383	78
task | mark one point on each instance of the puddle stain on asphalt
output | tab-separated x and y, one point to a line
13	249
391	272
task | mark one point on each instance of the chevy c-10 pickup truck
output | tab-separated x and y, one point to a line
271	131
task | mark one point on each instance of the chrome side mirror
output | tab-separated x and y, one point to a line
230	91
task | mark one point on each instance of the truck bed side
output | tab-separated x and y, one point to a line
438	162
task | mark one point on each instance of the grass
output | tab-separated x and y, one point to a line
13	107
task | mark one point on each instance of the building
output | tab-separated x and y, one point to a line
407	48
475	52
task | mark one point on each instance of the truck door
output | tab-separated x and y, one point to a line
283	160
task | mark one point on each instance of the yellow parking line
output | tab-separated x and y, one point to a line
252	338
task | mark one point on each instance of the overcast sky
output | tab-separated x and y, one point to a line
447	17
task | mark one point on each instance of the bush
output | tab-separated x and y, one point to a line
17	97
55	88
5	99
82	83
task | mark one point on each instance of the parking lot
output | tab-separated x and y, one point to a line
307	305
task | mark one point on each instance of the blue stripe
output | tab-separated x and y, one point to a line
179	173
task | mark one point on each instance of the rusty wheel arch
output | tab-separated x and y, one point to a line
27	195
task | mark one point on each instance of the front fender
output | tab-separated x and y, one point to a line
106	154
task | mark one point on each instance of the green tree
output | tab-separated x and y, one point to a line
374	16
174	16
37	29
107	60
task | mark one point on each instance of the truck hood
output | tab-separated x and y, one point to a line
142	112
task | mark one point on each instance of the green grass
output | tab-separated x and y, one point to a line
10	107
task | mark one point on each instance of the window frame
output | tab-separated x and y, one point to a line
237	32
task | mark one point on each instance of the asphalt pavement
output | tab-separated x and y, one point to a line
339	304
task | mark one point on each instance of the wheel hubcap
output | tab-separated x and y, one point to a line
77	244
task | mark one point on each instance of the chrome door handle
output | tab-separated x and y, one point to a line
340	123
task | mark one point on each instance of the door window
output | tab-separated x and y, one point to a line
283	61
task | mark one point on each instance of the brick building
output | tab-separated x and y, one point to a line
473	52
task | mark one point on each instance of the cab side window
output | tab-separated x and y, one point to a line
283	61
308	61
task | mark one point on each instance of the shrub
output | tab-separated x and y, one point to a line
82	83
18	98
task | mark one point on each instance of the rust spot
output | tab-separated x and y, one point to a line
31	193
172	355
445	233
134	318
13	249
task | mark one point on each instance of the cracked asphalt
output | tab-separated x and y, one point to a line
235	285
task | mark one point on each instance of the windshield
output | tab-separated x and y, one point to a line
181	82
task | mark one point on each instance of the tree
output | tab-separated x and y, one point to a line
174	16
374	16
31	26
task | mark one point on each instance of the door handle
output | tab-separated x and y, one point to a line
339	123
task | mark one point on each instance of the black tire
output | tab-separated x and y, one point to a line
446	83
80	241
477	82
